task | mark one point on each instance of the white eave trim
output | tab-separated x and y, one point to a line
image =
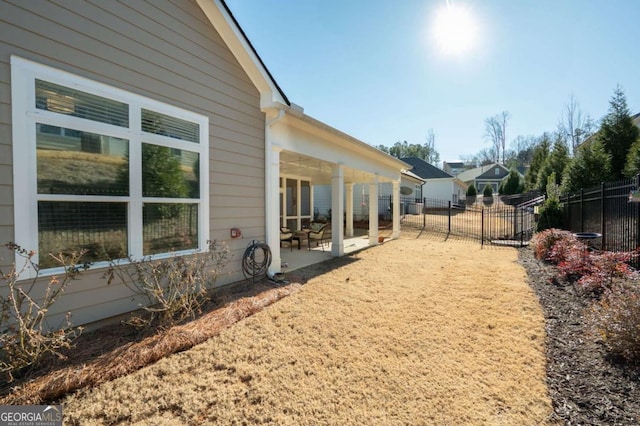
309	123
217	14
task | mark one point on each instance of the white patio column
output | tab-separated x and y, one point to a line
337	210
349	199
272	206
373	212
396	210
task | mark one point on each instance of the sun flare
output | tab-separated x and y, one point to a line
455	30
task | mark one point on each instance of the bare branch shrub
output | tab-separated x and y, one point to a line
615	318
25	337
175	288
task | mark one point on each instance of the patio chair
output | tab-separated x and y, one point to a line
318	234
286	236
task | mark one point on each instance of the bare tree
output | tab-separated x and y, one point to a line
433	156
575	124
485	156
496	133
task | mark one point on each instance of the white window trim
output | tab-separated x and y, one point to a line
24	116
298	217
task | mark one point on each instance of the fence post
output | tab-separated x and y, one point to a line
424	212
636	207
581	209
449	225
521	228
482	227
603	219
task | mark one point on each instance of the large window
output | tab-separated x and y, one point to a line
104	170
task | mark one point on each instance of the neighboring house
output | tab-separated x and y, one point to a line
439	184
490	174
493	177
146	129
453	168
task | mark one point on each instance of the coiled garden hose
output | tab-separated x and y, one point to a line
256	261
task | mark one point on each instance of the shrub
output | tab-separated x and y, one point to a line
471	191
175	288
487	191
603	268
594	272
544	241
551	215
615	318
25	337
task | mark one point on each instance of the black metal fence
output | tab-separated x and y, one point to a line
606	209
486	221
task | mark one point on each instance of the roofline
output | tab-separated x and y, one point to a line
220	16
412	175
375	151
255	52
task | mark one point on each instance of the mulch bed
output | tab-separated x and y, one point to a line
587	386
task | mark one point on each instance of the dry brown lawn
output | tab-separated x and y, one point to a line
415	331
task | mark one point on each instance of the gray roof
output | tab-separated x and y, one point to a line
491	174
454	164
424	169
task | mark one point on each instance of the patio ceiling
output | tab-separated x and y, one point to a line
316	170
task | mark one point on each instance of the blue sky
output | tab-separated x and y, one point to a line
372	69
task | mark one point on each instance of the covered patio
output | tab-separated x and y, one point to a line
302	152
296	259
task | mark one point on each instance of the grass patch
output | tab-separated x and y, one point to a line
415	331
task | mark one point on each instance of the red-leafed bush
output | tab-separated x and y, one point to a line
615	318
544	241
567	249
603	268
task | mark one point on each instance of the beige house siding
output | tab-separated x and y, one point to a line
164	50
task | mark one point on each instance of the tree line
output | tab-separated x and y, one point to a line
609	153
579	154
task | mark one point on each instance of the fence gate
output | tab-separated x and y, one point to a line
499	222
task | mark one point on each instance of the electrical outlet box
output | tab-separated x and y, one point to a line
235	233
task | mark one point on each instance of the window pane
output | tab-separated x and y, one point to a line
292	224
292	197
170	173
305	198
81	163
169	227
65	100
100	228
165	125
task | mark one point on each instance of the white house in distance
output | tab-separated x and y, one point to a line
439	185
97	100
411	186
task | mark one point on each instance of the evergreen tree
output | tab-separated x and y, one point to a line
403	149
590	167
551	214
539	156
618	133
632	166
513	184
554	164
